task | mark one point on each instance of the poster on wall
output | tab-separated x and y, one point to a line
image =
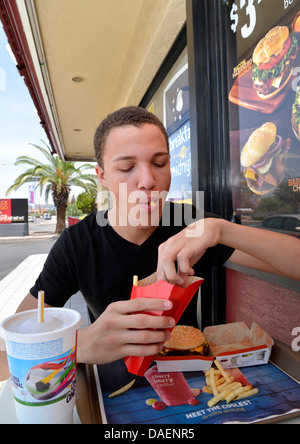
177	123
263	47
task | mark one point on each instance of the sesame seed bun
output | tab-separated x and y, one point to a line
270	44
258	144
184	337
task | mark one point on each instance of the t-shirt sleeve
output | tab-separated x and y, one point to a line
58	278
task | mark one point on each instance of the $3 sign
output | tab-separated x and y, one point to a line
248	28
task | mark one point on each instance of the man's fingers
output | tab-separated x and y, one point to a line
145	337
147	321
140	305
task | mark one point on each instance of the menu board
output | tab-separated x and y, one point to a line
263	70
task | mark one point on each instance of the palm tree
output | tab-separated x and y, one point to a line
57	176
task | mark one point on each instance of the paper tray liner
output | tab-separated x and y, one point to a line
180	297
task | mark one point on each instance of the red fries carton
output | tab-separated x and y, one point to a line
180	297
235	345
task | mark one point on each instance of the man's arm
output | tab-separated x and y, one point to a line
255	248
264	250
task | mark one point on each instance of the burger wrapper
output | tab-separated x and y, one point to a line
180	297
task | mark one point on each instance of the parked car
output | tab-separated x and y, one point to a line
283	223
30	219
47	216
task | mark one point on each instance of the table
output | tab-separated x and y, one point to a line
87	401
271	380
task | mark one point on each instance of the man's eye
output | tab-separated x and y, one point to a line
160	165
126	170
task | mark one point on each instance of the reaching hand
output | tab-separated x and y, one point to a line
186	248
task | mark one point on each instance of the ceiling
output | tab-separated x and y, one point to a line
115	47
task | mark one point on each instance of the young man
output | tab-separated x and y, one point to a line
100	255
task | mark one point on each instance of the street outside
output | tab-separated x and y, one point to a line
13	251
42	226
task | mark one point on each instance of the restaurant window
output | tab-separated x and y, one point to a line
171	104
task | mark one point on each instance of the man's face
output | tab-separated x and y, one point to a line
137	169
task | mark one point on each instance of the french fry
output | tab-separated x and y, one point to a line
220	381
218	398
230	387
212	382
222	371
224	387
247	394
237	392
122	390
217	372
207	390
226	383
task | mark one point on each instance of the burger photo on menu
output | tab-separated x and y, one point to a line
263	159
296	115
273	60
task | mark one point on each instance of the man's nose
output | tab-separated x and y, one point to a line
146	178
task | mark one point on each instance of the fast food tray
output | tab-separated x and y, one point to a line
289	362
284	364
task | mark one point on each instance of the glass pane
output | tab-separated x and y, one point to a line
263	68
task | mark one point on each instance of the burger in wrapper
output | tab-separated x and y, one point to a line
185	341
263	159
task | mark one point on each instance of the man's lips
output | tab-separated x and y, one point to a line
150	204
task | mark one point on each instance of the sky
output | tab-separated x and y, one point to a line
19	126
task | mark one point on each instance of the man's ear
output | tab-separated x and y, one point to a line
101	175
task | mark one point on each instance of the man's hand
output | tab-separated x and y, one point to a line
125	329
185	249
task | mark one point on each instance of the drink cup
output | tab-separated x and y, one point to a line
42	364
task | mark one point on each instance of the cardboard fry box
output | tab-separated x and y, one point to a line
180	297
235	345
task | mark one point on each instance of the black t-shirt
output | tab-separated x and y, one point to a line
92	258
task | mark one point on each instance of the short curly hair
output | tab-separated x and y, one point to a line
131	115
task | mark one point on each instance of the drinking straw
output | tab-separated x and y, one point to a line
41	298
135	281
